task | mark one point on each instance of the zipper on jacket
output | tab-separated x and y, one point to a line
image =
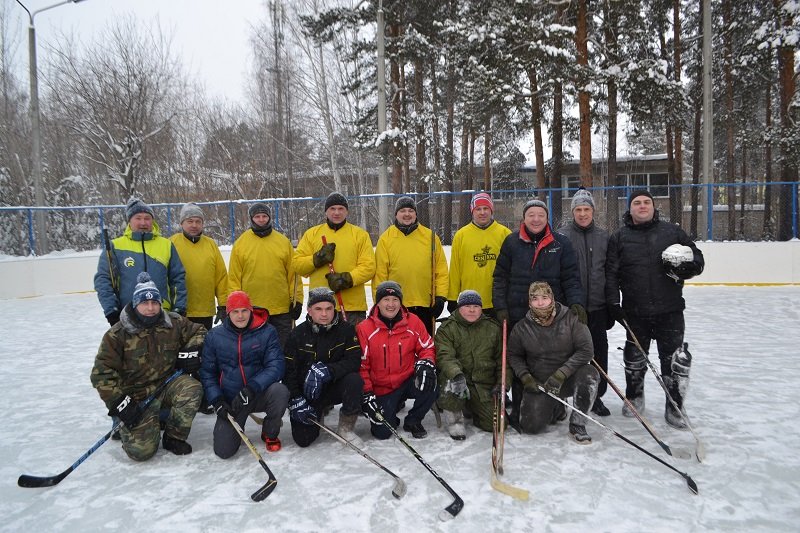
144	255
400	350
384	357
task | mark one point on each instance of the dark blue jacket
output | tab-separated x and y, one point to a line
523	261
233	360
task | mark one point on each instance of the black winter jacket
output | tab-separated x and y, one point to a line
634	266
521	262
590	245
337	347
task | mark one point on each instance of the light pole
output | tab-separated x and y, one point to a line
36	131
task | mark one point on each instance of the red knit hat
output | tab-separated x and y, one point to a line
238	300
481	199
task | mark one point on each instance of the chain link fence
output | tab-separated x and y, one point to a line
718	212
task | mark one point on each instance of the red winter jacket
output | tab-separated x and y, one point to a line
389	355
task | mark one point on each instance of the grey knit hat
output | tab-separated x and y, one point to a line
320	294
136	206
534	203
388	288
469	297
404	201
145	290
191	210
259	207
582	197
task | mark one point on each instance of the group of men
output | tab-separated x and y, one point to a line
558	292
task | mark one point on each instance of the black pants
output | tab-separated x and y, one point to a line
667	330
346	391
390	404
283	325
272	402
205	321
425	314
539	409
598	321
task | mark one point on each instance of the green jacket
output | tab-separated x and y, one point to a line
472	349
135	360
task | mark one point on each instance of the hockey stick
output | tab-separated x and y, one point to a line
28	481
500	486
338	294
501	413
399	489
271	483
451	510
689	481
700	449
681	454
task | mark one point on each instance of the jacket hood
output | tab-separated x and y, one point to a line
143	236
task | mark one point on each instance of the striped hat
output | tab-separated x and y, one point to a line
481	199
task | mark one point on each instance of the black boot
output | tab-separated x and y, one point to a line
176	446
599	408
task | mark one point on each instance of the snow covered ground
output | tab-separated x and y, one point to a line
742	400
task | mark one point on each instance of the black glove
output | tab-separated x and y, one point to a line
189	359
113	317
370	408
687	270
221	314
126	409
452	305
579	311
324	255
424	375
221	408
243	401
458	387
502	315
617	313
438	306
181	312
296	310
339	281
529	382
302	412
554	382
317	376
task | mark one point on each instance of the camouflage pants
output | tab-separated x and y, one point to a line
182	399
480	404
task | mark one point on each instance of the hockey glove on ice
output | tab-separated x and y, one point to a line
438	306
189	359
554	382
458	387
296	310
529	382
370	408
243	401
221	314
113	317
300	411
424	375
617	313
222	408
127	409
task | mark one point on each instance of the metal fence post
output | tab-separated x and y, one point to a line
794	210
709	207
31	235
232	220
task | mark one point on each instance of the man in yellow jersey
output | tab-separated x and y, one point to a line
403	254
474	253
348	251
206	275
261	266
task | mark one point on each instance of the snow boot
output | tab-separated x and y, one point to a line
559	414
176	446
347	424
673	417
578	433
638	404
454	421
599	408
416	429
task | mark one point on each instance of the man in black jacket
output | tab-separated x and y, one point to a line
652	297
323	359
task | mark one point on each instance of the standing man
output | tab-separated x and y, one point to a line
206	275
534	253
403	254
590	243
141	248
348	249
136	355
474	253
469	359
551	348
399	363
322	361
261	266
639	265
242	368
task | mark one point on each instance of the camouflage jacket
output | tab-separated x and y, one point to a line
135	360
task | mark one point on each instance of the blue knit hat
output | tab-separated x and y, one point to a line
145	290
135	206
469	297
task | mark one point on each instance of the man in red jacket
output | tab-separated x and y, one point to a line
398	363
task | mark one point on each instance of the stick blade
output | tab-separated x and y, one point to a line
700	452
452	510
399	489
509	490
692	485
262	493
35	482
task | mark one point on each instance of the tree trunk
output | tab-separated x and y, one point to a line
612	201
536	124
437	143
583	98
487	156
558	154
419	155
449	163
730	168
396	83
769	229
467	151
696	158
743	194
788	169
676	193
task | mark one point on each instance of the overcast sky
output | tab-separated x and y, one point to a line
211	35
